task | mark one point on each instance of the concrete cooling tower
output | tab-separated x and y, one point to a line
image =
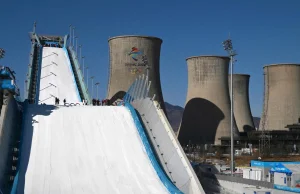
241	104
206	116
131	56
281	96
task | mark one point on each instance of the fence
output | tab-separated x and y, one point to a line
138	90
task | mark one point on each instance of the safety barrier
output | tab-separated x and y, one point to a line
170	154
16	179
78	73
160	172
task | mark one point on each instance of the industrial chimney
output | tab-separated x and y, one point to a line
206	116
131	56
281	96
241	104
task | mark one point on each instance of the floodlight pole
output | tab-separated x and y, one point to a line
76	38
83	68
2	53
70	36
228	47
25	89
87	77
79	52
73	37
92	78
231	116
97	84
34	27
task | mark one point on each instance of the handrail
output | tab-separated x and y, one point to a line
80	76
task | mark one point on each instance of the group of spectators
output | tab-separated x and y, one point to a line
105	102
52	45
95	102
57	101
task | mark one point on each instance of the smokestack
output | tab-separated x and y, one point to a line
206	116
131	56
281	96
241	104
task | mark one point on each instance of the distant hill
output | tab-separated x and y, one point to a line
256	121
175	114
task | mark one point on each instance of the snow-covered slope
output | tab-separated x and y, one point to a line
56	77
84	149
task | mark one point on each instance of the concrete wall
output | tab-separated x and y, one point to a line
169	152
206	116
282	96
9	125
241	104
124	69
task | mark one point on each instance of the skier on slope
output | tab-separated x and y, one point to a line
65	102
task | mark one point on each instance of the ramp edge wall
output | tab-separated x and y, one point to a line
78	73
167	147
162	137
160	172
73	76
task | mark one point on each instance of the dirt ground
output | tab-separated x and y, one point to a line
245	160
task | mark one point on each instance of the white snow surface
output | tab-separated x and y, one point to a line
57	78
84	149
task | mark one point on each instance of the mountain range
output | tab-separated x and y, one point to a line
175	113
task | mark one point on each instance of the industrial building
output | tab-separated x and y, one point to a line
130	57
206	116
281	96
241	104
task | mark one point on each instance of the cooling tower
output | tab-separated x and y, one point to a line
206	116
131	56
281	96
241	104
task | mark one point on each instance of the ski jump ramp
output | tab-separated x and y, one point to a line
56	77
84	149
92	149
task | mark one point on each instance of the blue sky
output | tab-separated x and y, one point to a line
263	32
